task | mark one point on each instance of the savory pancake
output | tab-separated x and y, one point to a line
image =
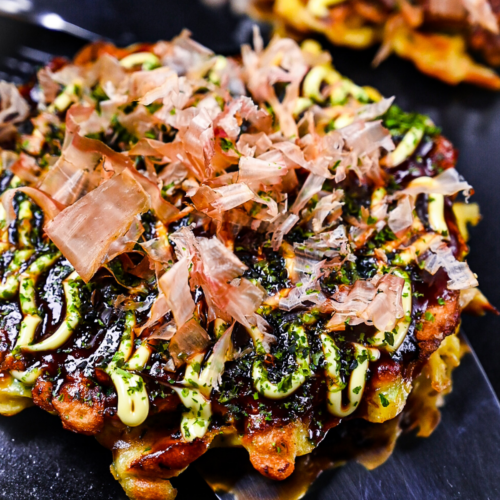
202	251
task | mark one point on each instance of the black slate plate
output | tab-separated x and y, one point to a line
41	461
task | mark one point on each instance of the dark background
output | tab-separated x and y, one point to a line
38	460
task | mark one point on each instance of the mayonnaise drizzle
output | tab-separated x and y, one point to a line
63	333
357	380
133	400
289	383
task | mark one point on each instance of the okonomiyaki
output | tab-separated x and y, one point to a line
453	40
200	251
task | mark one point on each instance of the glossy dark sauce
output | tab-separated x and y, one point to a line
5	179
51	297
432	156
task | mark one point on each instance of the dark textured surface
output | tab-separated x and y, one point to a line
41	461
